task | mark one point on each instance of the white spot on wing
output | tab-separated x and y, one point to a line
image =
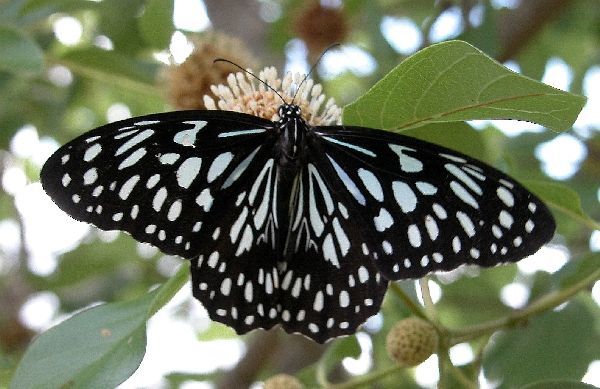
142	136
439	211
90	176
66	179
363	274
414	235
463	194
383	221
454	170
245	242
371	183
152	181
432	227
318	302
426	188
344	299
159	199
466	223
405	196
453	158
188	171
205	200
505	195
218	166
128	186
237	225
241	132
188	137
341	237
348	183
174	210
408	164
92	152
350	146
237	172
506	219
133	158
329	251
169	158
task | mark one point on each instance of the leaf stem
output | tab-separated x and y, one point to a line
542	304
365	379
427	300
168	290
414	308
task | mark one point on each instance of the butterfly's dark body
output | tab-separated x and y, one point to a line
291	224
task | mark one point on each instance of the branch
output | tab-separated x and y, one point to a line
516	28
259	351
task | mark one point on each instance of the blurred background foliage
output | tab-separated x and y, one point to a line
67	66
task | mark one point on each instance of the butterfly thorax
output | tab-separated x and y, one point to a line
292	137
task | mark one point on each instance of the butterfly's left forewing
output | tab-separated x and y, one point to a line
420	207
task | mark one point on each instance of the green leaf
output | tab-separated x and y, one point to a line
558	345
558	384
562	199
454	81
156	23
99	347
113	68
578	270
475	297
19	54
457	136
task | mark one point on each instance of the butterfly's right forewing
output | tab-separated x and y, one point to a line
159	177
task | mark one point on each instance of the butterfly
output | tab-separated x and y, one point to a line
291	224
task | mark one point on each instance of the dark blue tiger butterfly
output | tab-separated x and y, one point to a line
291	224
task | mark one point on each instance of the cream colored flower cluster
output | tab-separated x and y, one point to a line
243	93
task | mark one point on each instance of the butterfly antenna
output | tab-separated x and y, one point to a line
313	68
250	73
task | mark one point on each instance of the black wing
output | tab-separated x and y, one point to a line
157	177
417	207
328	286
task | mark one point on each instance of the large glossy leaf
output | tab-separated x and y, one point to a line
457	136
99	347
19	54
557	345
81	351
454	81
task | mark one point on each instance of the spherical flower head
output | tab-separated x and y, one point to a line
283	381
320	25
188	82
411	341
244	93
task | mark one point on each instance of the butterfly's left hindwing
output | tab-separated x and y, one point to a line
419	207
159	177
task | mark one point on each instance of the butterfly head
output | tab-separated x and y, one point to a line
289	112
